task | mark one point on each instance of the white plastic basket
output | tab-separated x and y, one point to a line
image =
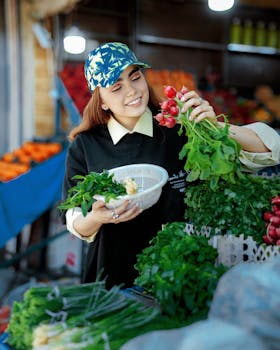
149	178
233	250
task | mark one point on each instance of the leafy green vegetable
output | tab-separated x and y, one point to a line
234	208
79	314
210	153
221	196
179	271
89	185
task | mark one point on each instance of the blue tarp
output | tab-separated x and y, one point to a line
25	198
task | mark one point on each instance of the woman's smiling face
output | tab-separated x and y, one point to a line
128	97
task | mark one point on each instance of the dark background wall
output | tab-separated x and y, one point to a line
181	35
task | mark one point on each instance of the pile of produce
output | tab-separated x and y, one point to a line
233	208
238	109
86	316
219	195
159	78
177	269
73	78
180	272
272	223
20	160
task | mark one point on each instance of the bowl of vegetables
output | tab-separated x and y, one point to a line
142	182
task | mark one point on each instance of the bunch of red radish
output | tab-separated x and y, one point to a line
272	220
170	108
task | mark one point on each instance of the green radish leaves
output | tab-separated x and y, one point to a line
209	152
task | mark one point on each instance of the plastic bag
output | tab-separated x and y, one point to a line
211	334
248	296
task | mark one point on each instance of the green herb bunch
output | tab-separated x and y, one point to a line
76	317
81	195
179	271
234	208
209	152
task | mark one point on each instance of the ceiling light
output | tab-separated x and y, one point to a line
220	5
74	42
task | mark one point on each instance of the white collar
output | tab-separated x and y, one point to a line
143	126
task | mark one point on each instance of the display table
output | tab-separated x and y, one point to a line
25	198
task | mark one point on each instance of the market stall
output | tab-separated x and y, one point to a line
182	267
211	281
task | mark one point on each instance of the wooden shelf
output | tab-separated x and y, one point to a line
150	39
262	50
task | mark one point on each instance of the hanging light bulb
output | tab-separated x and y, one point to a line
220	5
74	42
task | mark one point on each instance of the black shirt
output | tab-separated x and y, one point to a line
115	248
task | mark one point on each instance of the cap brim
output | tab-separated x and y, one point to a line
142	64
137	63
112	80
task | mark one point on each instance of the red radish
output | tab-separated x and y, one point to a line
276	210
277	232
174	111
170	122
267	215
267	239
164	105
275	200
271	232
170	91
167	104
162	122
275	220
171	103
278	242
159	117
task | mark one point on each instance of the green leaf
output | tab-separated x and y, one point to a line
193	175
84	208
172	270
81	195
219	164
214	183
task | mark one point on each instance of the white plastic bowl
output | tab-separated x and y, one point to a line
149	178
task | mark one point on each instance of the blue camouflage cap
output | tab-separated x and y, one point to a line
105	64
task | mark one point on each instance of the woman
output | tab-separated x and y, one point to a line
118	129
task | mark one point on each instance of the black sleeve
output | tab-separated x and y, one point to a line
75	165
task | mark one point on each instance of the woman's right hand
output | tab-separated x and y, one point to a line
201	108
90	224
122	213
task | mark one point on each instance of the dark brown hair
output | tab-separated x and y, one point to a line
94	115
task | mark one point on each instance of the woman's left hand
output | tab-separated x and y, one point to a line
201	108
